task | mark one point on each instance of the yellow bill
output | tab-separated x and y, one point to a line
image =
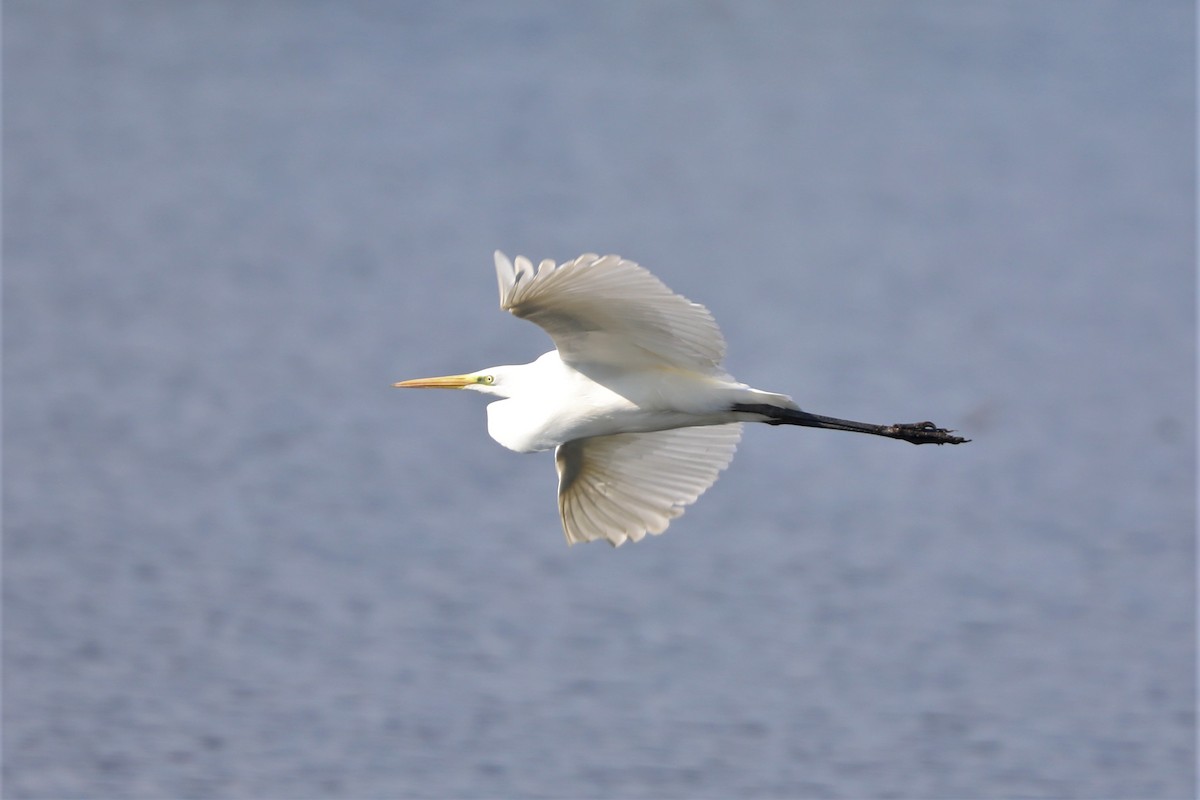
447	382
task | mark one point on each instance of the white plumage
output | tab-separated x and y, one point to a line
633	398
625	485
606	310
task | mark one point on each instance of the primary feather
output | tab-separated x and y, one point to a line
629	484
607	310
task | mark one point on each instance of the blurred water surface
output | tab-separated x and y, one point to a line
236	564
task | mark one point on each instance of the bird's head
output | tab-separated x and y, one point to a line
491	381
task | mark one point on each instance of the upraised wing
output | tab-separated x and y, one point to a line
629	484
606	310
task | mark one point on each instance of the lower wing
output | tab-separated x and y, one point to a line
629	484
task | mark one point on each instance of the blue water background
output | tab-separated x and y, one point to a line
238	565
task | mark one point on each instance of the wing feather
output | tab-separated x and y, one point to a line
629	484
607	310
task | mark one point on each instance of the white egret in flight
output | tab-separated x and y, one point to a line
634	400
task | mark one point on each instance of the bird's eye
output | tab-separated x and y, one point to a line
487	379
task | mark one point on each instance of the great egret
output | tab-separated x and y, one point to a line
634	400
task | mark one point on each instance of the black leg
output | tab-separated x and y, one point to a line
915	432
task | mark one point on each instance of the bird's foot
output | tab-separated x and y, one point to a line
923	433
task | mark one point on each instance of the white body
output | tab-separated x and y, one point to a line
569	405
